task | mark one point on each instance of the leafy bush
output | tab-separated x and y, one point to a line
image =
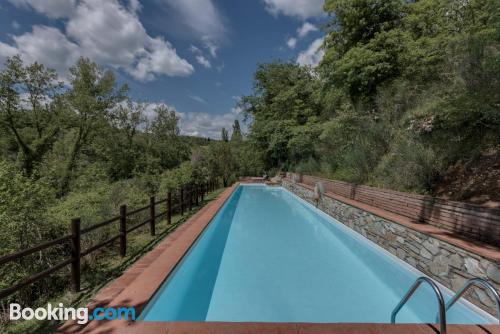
24	223
409	166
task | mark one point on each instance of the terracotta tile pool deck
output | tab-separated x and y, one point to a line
139	283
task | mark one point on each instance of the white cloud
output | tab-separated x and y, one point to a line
302	9
159	57
302	32
305	29
194	49
16	25
150	112
134	6
199	123
50	8
312	55
200	58
6	51
291	42
205	124
203	19
210	46
110	34
46	45
203	61
197	99
106	32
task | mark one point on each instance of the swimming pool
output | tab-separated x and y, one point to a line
268	256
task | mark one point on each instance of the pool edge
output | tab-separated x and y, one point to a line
139	283
139	290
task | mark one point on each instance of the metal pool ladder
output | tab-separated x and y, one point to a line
439	296
476	282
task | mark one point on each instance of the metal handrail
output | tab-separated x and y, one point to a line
480	283
414	287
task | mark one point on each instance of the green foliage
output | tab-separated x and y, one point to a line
359	21
83	150
165	143
22	209
236	135
409	166
405	90
92	97
24	223
176	178
250	162
285	113
224	135
221	161
29	110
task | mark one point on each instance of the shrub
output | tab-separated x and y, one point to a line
409	166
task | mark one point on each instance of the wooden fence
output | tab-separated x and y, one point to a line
187	197
468	220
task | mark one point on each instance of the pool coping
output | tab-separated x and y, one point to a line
139	283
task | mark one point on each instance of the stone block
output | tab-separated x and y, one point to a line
425	253
493	272
473	267
432	245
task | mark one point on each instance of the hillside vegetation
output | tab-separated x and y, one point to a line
82	148
406	94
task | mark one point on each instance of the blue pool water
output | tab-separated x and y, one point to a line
268	256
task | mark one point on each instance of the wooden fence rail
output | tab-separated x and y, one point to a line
187	196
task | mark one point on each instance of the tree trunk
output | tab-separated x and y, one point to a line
71	163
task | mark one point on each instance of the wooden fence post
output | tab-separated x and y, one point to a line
75	254
152	214
169	208
123	230
182	201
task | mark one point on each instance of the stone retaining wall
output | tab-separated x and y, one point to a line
474	222
444	262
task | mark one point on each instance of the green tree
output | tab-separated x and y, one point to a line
221	161
285	111
120	143
224	135
165	143
91	98
29	109
236	135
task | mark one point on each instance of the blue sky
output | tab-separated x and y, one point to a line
196	56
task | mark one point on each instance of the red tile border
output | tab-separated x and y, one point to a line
281	328
138	284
